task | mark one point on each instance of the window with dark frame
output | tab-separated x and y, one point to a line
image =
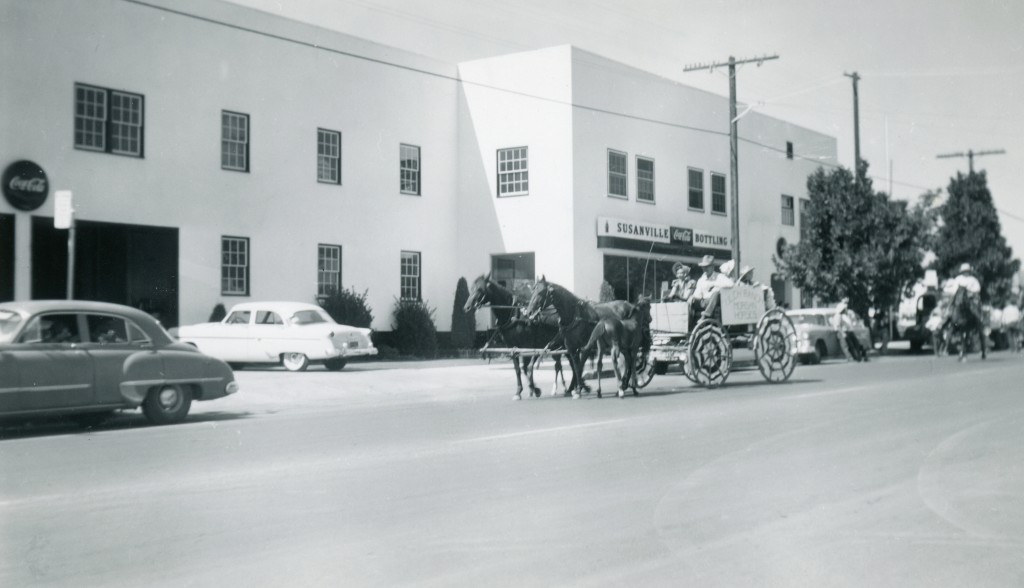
328	156
618	174
718	194
409	169
410	276
513	172
644	179
109	121
695	182
234	266
328	269
234	141
787	211
789	150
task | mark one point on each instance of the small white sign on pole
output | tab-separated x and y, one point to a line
63	211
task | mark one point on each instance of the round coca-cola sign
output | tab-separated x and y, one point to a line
25	185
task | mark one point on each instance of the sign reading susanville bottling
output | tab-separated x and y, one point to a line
25	185
617	233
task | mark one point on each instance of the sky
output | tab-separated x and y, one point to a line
937	77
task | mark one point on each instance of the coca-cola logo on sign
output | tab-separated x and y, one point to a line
25	185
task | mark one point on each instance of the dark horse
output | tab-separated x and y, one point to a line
965	319
515	332
626	337
577	319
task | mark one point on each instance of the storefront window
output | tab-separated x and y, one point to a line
632	277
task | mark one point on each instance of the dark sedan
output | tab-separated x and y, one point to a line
88	359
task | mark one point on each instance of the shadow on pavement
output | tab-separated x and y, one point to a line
63	425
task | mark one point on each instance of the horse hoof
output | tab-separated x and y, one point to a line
575	396
622	394
635	393
517	397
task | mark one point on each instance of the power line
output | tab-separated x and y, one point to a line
970	155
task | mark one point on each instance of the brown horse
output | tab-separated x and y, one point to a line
577	319
622	337
514	332
965	320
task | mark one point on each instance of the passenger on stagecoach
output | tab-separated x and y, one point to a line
747	277
703	299
683	285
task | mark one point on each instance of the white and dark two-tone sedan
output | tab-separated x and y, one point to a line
89	359
293	334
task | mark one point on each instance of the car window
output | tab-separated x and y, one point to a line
307	317
136	335
238	317
106	329
266	317
9	322
52	328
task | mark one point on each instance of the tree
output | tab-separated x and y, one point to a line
970	233
463	324
856	242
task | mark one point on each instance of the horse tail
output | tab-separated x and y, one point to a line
595	336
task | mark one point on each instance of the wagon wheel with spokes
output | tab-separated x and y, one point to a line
644	369
774	344
709	354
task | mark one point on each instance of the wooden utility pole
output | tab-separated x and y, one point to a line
734	184
856	128
970	155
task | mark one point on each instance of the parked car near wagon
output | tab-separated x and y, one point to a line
293	334
89	359
815	337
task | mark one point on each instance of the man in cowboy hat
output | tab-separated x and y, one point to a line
965	277
747	277
683	285
707	285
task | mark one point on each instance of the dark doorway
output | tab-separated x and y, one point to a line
6	257
135	265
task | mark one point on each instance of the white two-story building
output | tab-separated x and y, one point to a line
217	154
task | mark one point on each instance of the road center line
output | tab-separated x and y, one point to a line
539	431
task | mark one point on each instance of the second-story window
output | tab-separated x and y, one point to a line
618	176
513	172
718	193
695	180
328	269
234	141
410	169
644	179
108	120
787	210
328	156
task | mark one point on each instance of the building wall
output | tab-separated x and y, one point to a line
289	90
567	106
511	101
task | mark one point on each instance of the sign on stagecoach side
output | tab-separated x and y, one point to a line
742	305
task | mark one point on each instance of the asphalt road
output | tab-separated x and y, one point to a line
906	471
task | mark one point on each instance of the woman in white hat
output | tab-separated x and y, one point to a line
683	285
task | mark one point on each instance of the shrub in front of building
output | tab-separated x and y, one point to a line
348	307
463	323
415	333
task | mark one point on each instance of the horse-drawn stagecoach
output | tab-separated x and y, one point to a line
704	347
555	323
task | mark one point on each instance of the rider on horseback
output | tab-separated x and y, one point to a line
965	278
